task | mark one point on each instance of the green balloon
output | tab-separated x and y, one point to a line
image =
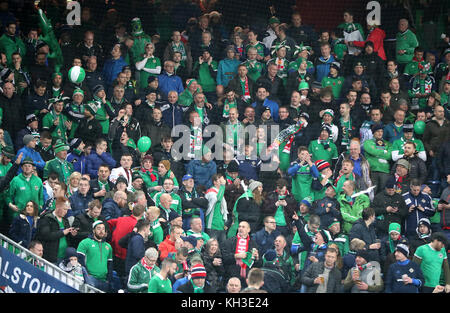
419	127
144	143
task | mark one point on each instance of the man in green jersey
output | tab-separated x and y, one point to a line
97	256
432	259
160	282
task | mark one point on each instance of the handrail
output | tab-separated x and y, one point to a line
49	268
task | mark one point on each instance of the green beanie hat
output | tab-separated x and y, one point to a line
136	27
394	227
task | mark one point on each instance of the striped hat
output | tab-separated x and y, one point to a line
322	164
403	249
97	222
198	271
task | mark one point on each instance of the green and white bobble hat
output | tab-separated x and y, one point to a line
97	222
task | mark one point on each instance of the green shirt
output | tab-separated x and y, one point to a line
159	285
431	263
96	254
406	41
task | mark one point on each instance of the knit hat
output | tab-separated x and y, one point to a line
61	146
322	164
97	89
147	157
97	222
332	221
191	239
304	115
364	253
166	164
71	252
173	215
75	143
408	127
307	201
375	127
270	256
326	127
27	160
390	183
8	151
369	43
135	176
404	163
78	91
394	227
273	20
325	235
316	84
424	221
303	85
403	249
198	271
27	139
329	112
254	184
150	79
336	65
121	179
91	107
233	167
31	118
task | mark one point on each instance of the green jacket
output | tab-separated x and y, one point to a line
63	168
59	131
21	191
378	156
9	46
405	41
140	277
176	202
351	212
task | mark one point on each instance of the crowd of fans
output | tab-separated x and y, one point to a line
356	136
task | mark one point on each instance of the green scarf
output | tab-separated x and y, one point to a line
196	288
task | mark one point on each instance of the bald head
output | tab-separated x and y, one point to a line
166	200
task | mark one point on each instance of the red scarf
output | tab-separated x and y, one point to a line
150	173
399	180
246	90
144	264
242	246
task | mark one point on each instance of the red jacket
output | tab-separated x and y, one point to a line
165	247
120	227
376	36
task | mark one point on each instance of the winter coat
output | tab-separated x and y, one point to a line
435	135
323	67
78	161
269	208
352	212
110	209
265	240
93	162
120	227
214	273
188	288
274	279
34	155
49	234
248	210
79	203
22	231
168	83
418	169
367	234
13	119
111	69
135	251
172	114
228	250
320	207
226	71
393	280
314	270
84	224
381	201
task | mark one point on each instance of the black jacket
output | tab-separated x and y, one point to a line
214	273
188	288
367	234
314	270
274	279
84	223
418	168
13	119
269	208
250	211
228	250
380	202
49	234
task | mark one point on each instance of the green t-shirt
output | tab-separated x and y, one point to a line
279	217
318	151
431	263
159	285
62	242
96	254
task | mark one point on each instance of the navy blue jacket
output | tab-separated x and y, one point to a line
264	240
110	209
93	162
202	172
393	282
413	217
21	231
79	203
135	251
172	114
